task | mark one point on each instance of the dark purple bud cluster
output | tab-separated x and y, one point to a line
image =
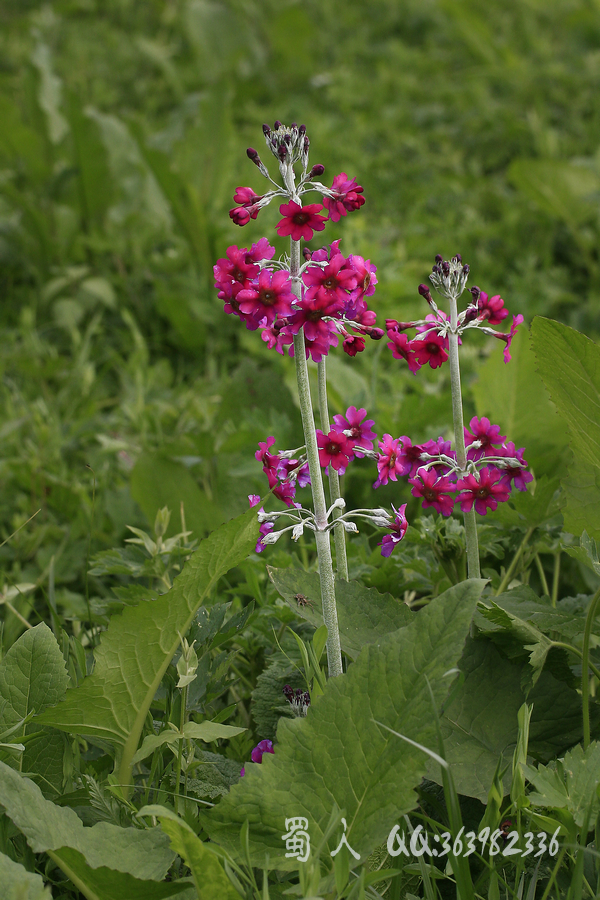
298	699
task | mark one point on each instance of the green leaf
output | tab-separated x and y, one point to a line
94	182
209	875
19	884
587	552
205	731
141	853
364	615
527	634
480	723
514	397
571	786
33	676
338	756
113	702
569	364
157	481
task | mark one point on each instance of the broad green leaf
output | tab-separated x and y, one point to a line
157	481
364	615
19	884
33	676
527	634
209	875
50	92
103	883
571	786
338	756
586	553
204	731
480	724
112	703
513	396
47	827
569	364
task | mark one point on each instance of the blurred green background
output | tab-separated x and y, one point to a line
474	127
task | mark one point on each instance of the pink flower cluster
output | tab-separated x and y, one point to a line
332	302
350	435
437	484
284	475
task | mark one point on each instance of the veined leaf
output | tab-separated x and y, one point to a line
203	731
364	614
112	703
338	756
569	364
19	884
572	786
209	875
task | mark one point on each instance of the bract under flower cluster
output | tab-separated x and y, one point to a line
494	468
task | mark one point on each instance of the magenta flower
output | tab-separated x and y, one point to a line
364	271
409	457
389	462
435	491
485	493
507	338
275	337
335	450
245	196
347	197
261	249
300	222
265	527
240	215
353	344
331	283
270	461
487	434
519	477
236	268
259	751
402	348
358	432
397	531
426	328
491	308
267	297
431	350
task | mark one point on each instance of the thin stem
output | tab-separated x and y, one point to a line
184	691
578	653
515	560
334	651
585	664
542	574
555	577
341	560
459	440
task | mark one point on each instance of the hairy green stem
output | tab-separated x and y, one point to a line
542	574
341	560
515	560
555	577
585	666
334	650
459	440
184	692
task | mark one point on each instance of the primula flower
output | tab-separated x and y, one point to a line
326	337
300	222
485	493
353	344
397	531
520	477
347	197
265	527
331	283
358	432
270	461
431	350
237	267
402	348
310	314
507	338
267	297
435	491
275	337
487	434
491	308
245	196
241	216
389	462
409	456
259	751
260	250
364	271
335	450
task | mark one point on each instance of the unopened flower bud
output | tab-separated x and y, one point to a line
282	152
277	124
302	129
439	258
253	155
457	258
375	333
316	170
423	290
466	269
307	254
266	130
475	292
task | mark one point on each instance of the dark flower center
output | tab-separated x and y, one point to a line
301	218
430	494
268	298
332	448
330	283
482	493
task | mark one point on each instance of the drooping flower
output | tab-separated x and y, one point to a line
397	531
402	348
358	432
366	279
335	450
491	308
347	197
507	338
488	436
300	221
265	527
353	344
485	492
434	490
519	477
267	297
389	462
